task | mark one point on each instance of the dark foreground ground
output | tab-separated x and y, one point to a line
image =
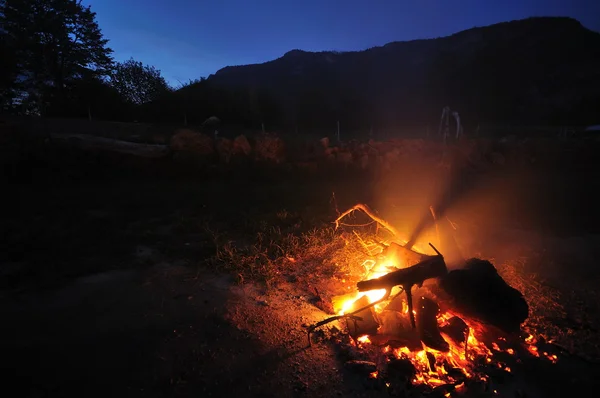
160	284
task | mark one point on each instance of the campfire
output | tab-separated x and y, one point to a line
423	321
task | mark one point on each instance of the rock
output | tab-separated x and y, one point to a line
364	367
241	146
191	141
478	291
270	147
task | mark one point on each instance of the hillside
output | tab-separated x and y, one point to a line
538	70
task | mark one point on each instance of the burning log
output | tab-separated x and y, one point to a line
351	315
432	267
456	329
428	327
478	291
365	323
395	331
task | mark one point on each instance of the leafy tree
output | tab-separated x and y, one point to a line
96	98
138	83
8	71
53	43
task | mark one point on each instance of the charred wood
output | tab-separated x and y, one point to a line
478	291
428	327
456	329
431	267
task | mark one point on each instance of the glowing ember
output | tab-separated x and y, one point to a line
364	339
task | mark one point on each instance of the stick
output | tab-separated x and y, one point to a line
329	320
364	208
432	267
351	315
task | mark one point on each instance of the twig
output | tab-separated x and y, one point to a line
369	213
365	245
357	225
329	320
452	224
434	249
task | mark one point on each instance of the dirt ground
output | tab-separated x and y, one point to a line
129	285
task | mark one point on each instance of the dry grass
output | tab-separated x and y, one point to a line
317	257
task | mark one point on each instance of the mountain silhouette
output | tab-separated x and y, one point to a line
543	70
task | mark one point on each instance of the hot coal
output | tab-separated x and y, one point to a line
456	329
427	326
478	291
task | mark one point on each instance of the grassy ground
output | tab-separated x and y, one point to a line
68	217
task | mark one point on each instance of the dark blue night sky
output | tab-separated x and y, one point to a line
188	39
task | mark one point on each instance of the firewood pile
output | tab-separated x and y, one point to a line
420	323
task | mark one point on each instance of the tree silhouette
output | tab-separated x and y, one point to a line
53	44
138	83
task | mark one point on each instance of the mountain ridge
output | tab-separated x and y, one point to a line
297	51
540	70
